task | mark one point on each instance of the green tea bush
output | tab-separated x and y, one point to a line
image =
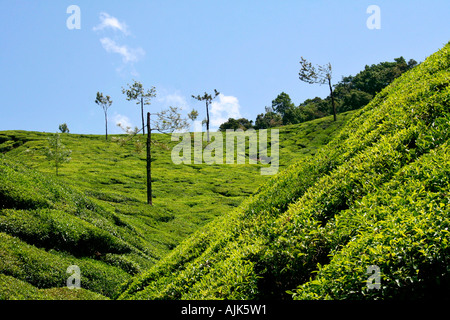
292	228
403	229
55	229
14	289
44	269
46	226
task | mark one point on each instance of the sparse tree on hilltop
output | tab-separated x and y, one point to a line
321	75
57	152
137	92
105	103
208	99
64	128
167	121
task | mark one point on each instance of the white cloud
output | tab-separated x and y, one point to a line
107	21
124	121
197	126
128	54
174	100
226	107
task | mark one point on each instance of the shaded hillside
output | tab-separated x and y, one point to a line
377	194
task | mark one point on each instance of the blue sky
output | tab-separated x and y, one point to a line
248	50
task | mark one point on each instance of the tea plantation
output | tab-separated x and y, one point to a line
368	192
375	198
94	213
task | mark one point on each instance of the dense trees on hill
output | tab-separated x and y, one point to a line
352	92
355	92
284	107
241	123
268	119
375	77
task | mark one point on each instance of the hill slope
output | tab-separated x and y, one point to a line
94	214
376	195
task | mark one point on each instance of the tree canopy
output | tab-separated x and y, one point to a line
352	92
235	124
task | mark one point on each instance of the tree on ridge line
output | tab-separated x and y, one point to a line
105	103
208	98
323	74
137	92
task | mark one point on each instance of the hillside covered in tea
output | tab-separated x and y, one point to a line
94	213
376	195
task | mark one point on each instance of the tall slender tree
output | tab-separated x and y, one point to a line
321	75
167	121
105	103
149	161
137	92
208	98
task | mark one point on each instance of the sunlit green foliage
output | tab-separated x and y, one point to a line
377	194
94	213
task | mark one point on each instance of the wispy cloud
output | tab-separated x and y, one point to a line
173	99
110	22
128	54
226	107
124	121
115	44
197	126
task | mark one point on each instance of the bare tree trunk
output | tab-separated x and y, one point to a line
56	157
149	162
207	121
332	99
142	114
106	126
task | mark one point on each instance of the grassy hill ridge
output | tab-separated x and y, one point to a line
377	194
94	214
